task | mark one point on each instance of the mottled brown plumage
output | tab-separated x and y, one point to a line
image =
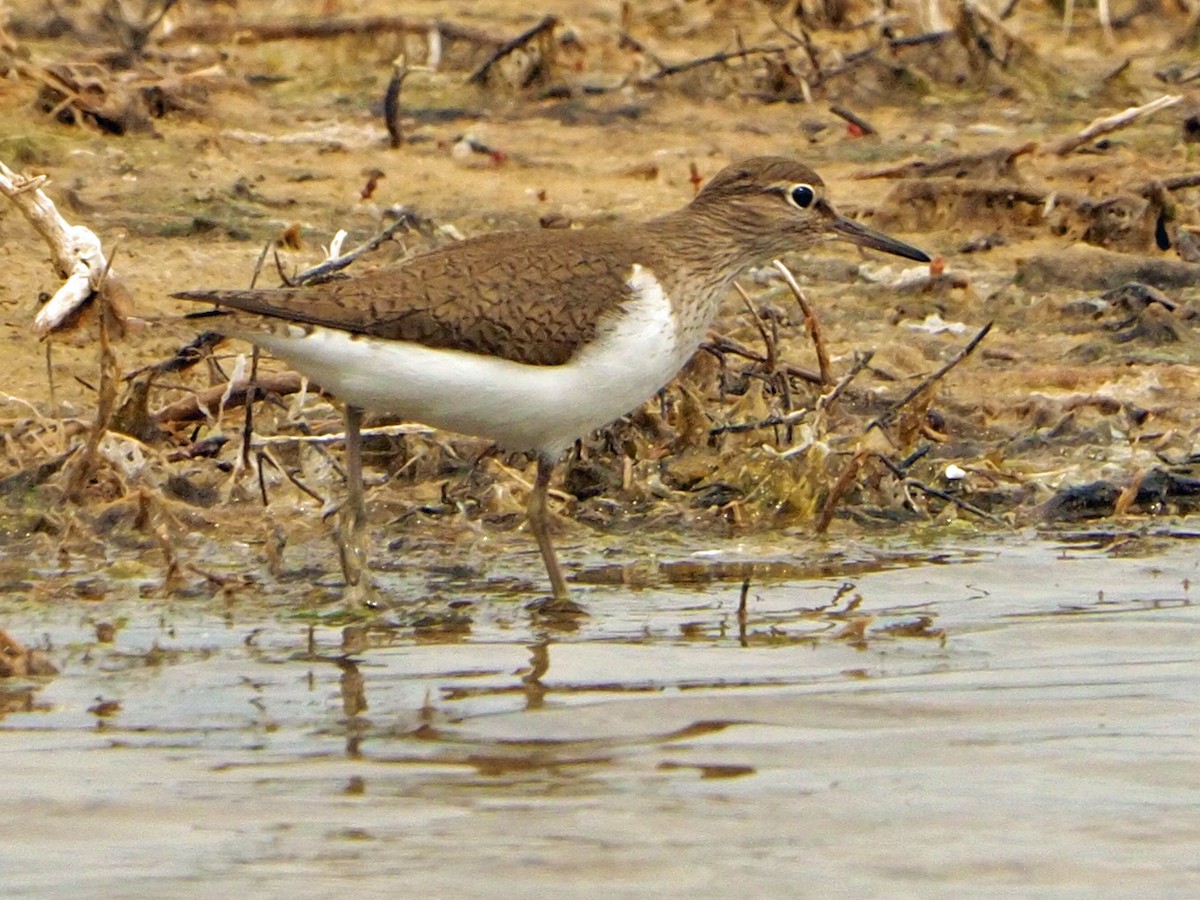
534	338
522	296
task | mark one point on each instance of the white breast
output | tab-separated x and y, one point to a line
521	407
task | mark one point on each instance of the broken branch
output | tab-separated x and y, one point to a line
480	75
76	251
1115	122
810	321
724	56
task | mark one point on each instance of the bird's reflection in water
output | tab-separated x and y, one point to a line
539	665
354	704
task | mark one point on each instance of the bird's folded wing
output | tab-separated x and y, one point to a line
535	300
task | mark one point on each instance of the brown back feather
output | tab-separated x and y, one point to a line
506	295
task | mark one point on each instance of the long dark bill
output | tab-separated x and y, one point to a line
849	230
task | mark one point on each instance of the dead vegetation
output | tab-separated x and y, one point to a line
879	399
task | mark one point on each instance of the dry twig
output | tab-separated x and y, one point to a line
994	163
840	487
864	127
722	57
861	362
206	403
810	321
890	413
769	422
480	75
106	398
718	345
772	359
392	110
908	481
1177	183
1115	122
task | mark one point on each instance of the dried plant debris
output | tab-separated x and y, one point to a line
1159	491
117	103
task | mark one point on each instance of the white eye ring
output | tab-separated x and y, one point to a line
802	195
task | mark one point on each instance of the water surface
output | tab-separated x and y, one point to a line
1010	714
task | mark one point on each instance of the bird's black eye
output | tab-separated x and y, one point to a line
802	195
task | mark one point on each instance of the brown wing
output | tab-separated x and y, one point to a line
533	298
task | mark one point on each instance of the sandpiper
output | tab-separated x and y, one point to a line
534	338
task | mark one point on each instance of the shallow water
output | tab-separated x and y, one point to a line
1037	732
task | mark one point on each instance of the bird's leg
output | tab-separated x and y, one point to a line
539	522
351	530
356	504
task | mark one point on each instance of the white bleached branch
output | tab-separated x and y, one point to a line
76	251
1115	122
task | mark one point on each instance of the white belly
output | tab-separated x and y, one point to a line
521	407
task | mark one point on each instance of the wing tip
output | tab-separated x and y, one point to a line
201	296
208	314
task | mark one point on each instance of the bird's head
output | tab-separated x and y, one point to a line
780	205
